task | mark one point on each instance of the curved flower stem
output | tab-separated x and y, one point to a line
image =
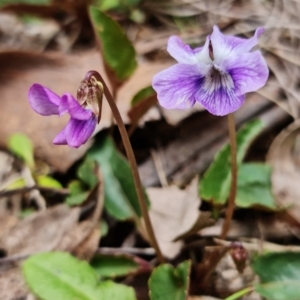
132	162
231	199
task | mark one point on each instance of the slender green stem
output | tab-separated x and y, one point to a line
232	195
133	164
240	293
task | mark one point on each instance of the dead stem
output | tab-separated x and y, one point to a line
231	199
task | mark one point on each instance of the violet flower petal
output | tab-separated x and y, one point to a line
43	100
63	105
75	110
249	71
202	53
79	131
225	46
61	139
221	101
180	51
177	85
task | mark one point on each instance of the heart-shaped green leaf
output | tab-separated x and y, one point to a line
48	182
120	195
118	52
279	275
114	265
78	193
169	283
22	146
86	173
61	276
254	186
215	183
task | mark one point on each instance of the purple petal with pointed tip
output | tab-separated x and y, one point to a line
43	100
177	85
225	46
180	51
61	139
79	131
202	53
75	110
63	105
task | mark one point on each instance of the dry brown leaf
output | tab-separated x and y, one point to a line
229	280
204	270
87	248
19	35
139	110
84	237
179	208
173	212
257	245
75	236
41	231
12	284
6	222
283	155
269	227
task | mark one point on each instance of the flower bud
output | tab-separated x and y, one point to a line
90	95
239	255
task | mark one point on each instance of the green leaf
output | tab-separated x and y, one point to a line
78	193
86	173
142	95
279	274
113	266
105	5
113	291
26	212
254	186
5	2
49	182
19	183
169	283
60	276
22	146
120	195
74	200
108	4
240	293
215	183
104	228
118	52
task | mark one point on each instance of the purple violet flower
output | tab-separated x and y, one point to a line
84	113
217	75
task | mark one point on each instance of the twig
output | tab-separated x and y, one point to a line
14	258
138	251
5	193
103	250
34	194
231	199
159	168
